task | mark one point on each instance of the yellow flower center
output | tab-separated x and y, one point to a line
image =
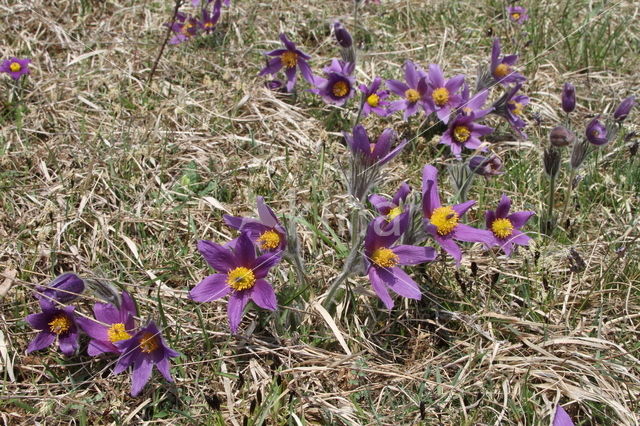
149	342
467	110
289	59
502	228
208	24
373	100
440	96
117	332
384	257
393	213
185	29
595	133
412	95
461	133
445	219
15	67
515	16
60	324
241	278
501	70
269	240
517	107
340	88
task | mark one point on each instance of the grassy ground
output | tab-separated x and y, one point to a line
106	176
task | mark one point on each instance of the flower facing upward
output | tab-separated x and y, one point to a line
596	132
54	322
391	210
412	92
568	98
374	99
463	132
441	96
15	67
64	288
291	59
142	351
241	275
267	233
210	19
382	260
511	106
623	110
111	325
443	222
517	14
370	154
506	227
338	85
502	68
184	28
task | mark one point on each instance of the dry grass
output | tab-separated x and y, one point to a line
102	175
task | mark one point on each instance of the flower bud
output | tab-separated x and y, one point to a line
342	35
491	166
551	161
568	98
560	136
579	153
624	108
275	85
596	132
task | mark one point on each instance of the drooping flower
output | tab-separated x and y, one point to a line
338	85
382	260
15	67
64	288
378	153
568	98
391	209
506	227
291	59
561	417
596	132
441	96
486	166
54	322
463	132
111	325
517	14
185	27
142	351
374	99
210	19
241	275
510	106
267	233
443	222
623	110
412	92
561	136
502	68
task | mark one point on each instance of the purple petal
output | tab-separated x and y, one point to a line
291	78
380	288
519	219
450	246
218	257
264	296
237	302
141	374
266	214
41	341
93	328
235	222
414	255
397	87
401	283
164	367
106	312
462	208
562	418
244	250
411	75
431	199
402	193
306	71
381	204
467	233
436	77
454	83
211	288
503	207
391	155
69	343
273	66
265	262
39	321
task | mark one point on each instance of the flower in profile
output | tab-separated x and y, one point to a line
15	67
623	110
391	209
142	351
54	322
412	92
378	153
64	288
443	222
502	68
486	166
291	59
267	233
374	99
472	105
510	106
382	260
517	14
210	19
338	86
506	227
111	325
596	132
343	37
184	28
568	98
441	96
463	132
241	275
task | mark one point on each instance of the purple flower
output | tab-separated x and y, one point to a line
501	68
441	96
275	85
196	3
209	20
343	37
290	58
394	208
561	418
491	166
267	233
506	227
378	153
412	92
472	106
64	288
15	67
184	28
382	260
241	275
623	110
111	325
511	107
596	132
54	322
464	132
337	87
442	222
146	348
374	99
517	14
568	98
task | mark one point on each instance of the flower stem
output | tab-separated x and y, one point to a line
567	198
166	40
552	191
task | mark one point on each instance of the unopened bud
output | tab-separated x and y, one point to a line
551	160
561	136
